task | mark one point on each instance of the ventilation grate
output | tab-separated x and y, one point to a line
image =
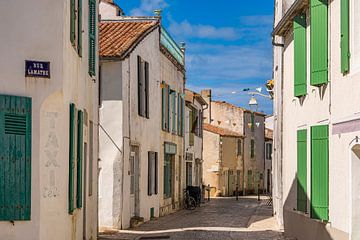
15	124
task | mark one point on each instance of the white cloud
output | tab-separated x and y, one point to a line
147	7
257	20
185	29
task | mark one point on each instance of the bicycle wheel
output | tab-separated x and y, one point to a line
191	203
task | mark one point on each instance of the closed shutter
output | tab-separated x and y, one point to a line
300	55
92	37
319	42
252	122
345	49
80	156
152	173
320	172
72	22
167	176
238	147
156	173
72	150
301	170
15	158
79	47
252	148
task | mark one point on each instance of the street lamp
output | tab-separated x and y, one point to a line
253	104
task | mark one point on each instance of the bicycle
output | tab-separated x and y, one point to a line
189	202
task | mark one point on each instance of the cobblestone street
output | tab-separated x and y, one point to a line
223	218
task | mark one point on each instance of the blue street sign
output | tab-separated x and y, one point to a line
37	69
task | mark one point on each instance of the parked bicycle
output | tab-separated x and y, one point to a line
189	202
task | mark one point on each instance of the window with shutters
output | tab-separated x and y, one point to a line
165	107
143	87
167	175
76	28
301	170
76	155
319	42
252	148
268	151
239	147
320	172
15	158
92	37
345	36
152	173
300	55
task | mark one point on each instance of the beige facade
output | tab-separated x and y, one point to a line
333	104
32	36
245	123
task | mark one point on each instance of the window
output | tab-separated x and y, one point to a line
165	107
300	55
76	25
319	42
268	151
320	172
301	170
76	149
252	148
188	174
345	36
143	88
92	37
152	173
239	147
15	152
167	175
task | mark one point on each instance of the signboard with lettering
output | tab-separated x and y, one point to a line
37	69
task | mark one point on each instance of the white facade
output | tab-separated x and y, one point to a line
336	106
32	36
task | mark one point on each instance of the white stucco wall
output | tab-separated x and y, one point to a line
108	11
32	36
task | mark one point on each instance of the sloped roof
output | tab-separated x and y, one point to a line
117	38
221	131
111	2
269	133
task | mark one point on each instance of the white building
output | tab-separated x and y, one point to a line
316	148
194	105
48	120
141	90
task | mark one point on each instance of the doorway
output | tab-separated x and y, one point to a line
134	182
355	192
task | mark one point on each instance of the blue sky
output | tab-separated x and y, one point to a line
228	43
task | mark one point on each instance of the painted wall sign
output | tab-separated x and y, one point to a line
37	69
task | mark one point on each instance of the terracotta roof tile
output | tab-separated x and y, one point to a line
221	131
117	37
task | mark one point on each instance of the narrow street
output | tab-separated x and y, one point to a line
221	218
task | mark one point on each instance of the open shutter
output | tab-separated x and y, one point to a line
252	148
173	111
15	158
183	116
80	156
156	173
319	42
252	122
345	49
72	22
301	170
79	46
92	37
179	113
146	90
300	55
72	147
141	86
320	172
191	126
163	108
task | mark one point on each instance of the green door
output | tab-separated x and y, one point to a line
15	158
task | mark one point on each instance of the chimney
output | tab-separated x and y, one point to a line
206	95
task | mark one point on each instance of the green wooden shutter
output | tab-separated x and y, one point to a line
319	42
179	113
92	37
320	172
301	170
164	95
252	122
80	156
252	148
72	147
300	55
146	89
140	88
79	46
15	158
183	116
173	111
191	126
167	176
345	49
168	108
72	22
